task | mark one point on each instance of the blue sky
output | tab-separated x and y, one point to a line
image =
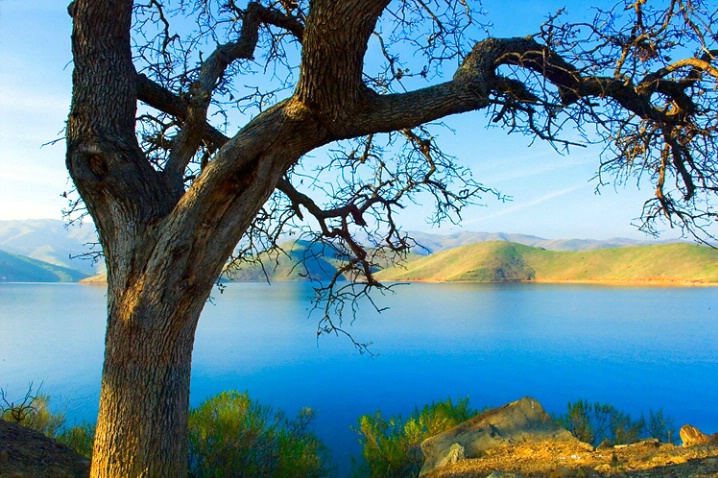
553	195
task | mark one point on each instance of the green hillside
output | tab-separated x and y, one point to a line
16	268
299	261
506	261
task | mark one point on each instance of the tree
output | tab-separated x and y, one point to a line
172	194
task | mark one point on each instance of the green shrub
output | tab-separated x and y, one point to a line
32	412
578	421
232	436
598	422
80	438
390	447
661	426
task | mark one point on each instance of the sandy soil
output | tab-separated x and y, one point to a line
555	460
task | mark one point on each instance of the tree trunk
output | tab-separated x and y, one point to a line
142	424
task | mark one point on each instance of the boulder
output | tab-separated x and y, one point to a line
454	454
691	435
522	420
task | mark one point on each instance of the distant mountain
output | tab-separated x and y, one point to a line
499	261
431	243
299	261
51	241
15	268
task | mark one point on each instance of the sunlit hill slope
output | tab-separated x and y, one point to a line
507	261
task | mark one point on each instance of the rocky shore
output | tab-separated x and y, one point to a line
520	440
560	460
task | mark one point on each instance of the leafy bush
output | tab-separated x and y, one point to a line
390	447
80	438
32	412
661	426
232	436
598	422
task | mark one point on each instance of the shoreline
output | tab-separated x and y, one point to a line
638	282
627	283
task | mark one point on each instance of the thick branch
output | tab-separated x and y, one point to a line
335	42
112	175
187	142
164	100
477	79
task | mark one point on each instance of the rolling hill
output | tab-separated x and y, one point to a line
15	268
461	256
51	241
676	263
502	261
429	243
299	261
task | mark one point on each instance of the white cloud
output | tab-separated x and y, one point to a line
517	207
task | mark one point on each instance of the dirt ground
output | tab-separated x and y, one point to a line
555	460
25	453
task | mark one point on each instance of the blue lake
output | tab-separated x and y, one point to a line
636	348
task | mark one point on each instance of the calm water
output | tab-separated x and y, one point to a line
636	348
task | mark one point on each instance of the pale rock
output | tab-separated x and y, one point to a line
691	435
649	442
455	453
519	421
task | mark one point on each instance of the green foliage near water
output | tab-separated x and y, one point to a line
79	437
599	422
391	446
506	261
32	411
230	436
233	436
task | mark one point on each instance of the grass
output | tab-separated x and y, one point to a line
505	261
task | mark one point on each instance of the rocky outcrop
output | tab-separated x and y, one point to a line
691	435
519	421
